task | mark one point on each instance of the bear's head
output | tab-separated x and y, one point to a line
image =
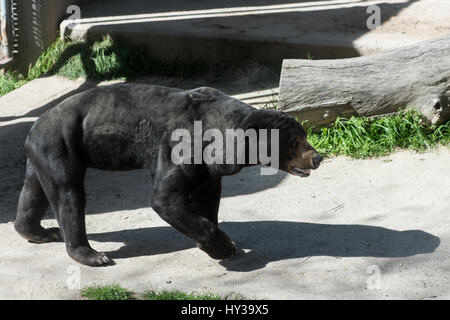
297	156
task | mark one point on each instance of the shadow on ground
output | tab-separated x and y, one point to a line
269	241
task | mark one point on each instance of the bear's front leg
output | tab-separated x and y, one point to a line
171	200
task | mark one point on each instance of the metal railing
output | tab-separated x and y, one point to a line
5	35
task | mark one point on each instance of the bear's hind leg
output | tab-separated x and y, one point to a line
65	190
32	206
61	176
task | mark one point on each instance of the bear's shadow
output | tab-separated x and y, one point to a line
269	241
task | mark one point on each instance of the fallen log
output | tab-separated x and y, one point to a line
416	76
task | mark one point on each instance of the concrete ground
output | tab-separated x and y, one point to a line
354	229
262	29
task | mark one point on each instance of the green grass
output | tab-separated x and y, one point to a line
179	295
361	137
43	66
116	292
10	81
370	137
115	59
109	292
106	59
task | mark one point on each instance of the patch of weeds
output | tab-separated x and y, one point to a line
10	81
106	59
369	137
361	137
179	295
109	292
115	59
116	292
273	104
13	80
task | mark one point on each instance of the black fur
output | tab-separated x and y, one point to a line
126	127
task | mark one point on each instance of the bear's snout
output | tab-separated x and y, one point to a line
316	160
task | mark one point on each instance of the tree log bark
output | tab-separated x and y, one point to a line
416	76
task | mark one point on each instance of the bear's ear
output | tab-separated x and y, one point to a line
196	98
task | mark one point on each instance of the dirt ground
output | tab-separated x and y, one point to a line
355	229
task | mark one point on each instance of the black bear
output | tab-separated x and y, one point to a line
131	126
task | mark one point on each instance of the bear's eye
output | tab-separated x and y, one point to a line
294	144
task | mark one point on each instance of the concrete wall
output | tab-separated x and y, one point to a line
38	27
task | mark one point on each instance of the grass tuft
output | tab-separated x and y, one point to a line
13	80
109	292
370	137
179	295
116	292
10	81
107	59
115	59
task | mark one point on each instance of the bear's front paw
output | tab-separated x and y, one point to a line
219	246
88	256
